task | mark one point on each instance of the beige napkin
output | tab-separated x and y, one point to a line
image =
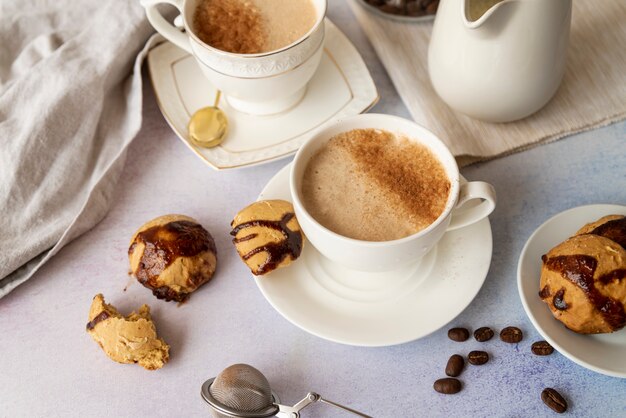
70	104
593	92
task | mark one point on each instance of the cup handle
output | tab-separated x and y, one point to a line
469	191
162	26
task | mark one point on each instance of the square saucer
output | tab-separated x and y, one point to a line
342	86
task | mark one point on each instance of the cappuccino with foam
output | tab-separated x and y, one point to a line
374	185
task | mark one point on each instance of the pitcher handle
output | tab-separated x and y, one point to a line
162	26
470	191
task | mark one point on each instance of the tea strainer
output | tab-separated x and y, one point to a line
241	391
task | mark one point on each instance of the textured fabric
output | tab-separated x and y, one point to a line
70	103
592	94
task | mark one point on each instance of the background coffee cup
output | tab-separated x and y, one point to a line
260	84
389	255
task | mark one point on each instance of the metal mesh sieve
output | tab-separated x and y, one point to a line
242	388
241	391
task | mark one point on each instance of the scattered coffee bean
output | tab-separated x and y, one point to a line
458	334
511	335
455	365
478	358
483	334
554	400
447	386
542	348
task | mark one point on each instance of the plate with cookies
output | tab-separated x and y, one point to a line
572	282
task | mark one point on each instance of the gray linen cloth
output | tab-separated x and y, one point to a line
70	103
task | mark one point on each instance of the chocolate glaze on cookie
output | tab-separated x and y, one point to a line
579	269
558	301
163	244
99	318
583	279
614	230
276	251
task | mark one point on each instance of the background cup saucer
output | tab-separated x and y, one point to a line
371	309
602	353
342	86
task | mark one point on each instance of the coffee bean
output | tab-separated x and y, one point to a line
511	335
455	365
414	8
458	334
388	8
483	334
554	400
542	348
447	386
478	358
431	9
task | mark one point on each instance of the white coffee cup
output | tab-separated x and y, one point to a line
389	255
259	84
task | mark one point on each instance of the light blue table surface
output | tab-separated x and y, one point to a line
65	374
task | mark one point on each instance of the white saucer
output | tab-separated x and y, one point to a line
378	309
604	353
342	86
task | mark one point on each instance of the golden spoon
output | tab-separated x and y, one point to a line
208	126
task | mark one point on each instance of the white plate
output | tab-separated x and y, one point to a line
342	86
378	309
604	353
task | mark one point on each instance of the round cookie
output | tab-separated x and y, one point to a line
583	279
611	226
172	255
267	235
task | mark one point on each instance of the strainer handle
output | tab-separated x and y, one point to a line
311	397
345	408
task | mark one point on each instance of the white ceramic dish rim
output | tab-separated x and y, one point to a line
525	303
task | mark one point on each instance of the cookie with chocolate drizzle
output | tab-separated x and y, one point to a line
583	279
172	255
267	235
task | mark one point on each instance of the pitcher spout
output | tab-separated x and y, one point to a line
477	12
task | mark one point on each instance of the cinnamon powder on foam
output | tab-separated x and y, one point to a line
253	26
230	25
408	171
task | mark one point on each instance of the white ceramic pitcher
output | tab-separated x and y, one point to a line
503	64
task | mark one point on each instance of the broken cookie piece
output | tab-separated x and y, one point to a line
131	339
